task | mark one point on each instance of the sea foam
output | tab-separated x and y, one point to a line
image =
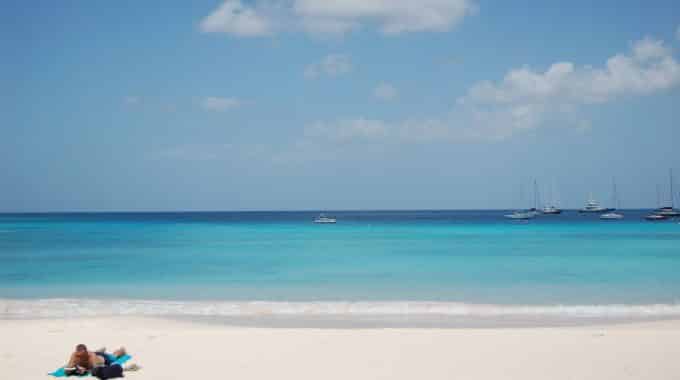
70	308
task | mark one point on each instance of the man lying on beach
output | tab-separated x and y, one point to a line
80	362
99	363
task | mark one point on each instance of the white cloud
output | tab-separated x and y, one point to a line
391	17
650	67
385	91
263	17
526	99
232	17
220	104
523	101
331	65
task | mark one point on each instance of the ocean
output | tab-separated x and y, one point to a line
369	263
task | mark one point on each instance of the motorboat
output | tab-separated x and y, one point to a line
323	219
611	216
521	215
593	206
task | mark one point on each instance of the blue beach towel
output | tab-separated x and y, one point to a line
60	372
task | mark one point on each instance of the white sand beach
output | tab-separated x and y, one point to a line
169	349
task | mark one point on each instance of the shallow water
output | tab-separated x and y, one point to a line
455	257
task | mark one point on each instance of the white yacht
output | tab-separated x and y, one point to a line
521	215
593	206
323	219
611	216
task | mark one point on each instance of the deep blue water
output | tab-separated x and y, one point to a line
461	256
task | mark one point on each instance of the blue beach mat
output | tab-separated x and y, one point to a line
60	371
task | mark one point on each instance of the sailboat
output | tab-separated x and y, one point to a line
551	208
653	217
665	212
611	215
669	211
522	214
534	209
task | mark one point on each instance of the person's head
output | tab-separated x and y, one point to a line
82	356
119	352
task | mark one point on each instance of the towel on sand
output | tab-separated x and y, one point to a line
60	372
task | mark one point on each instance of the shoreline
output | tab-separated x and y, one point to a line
173	349
340	314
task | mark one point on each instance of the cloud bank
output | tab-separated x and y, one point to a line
232	17
523	100
322	17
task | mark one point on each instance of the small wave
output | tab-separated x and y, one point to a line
66	308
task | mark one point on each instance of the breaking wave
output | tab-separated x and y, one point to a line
68	308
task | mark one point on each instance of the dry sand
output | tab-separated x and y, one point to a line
169	349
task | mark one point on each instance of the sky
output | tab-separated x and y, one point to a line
350	104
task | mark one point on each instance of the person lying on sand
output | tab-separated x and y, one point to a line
81	361
108	358
112	371
99	363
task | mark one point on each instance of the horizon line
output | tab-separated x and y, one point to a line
179	211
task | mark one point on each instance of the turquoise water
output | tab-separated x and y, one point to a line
472	257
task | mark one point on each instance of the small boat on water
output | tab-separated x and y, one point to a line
521	215
525	214
323	219
611	215
655	217
593	207
669	212
666	212
551	210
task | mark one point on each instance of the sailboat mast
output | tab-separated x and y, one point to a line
671	175
535	195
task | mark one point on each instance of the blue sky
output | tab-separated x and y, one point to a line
308	104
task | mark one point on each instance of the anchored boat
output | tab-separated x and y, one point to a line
323	219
